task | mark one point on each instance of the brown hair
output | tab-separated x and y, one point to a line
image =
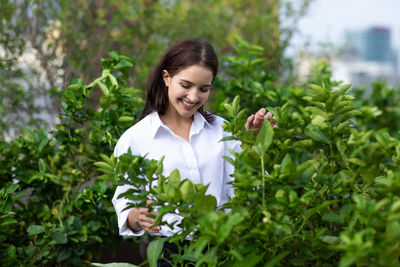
184	53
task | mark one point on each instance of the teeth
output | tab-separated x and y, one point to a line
187	104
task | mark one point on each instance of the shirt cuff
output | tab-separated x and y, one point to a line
124	230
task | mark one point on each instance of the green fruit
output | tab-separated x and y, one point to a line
188	191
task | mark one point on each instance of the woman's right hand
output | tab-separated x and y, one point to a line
138	219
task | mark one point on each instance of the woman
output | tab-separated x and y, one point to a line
175	124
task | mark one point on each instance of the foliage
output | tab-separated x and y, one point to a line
41	38
7	199
115	264
322	189
66	213
318	190
380	107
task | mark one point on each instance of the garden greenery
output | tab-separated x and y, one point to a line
322	189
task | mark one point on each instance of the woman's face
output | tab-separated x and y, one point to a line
188	90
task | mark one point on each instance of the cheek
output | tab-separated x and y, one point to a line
204	97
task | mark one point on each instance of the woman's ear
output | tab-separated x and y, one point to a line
166	78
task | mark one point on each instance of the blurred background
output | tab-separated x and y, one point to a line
44	45
359	38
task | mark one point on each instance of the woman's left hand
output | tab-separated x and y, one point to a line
255	121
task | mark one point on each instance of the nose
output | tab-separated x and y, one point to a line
193	95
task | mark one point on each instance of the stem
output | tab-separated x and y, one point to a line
263	182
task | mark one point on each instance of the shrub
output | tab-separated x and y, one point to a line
318	190
322	189
66	213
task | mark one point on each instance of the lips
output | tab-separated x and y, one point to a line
188	105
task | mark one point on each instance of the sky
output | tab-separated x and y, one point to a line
327	20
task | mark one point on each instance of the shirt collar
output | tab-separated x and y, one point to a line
156	123
198	123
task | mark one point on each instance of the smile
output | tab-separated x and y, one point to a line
188	104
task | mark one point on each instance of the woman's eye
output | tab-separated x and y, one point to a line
204	90
185	86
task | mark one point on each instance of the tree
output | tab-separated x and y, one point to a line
68	39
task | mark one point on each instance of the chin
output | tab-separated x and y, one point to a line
187	114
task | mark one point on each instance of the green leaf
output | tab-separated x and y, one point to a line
154	250
318	121
114	55
252	259
343	89
42	144
101	164
188	191
113	80
10	253
42	166
331	217
333	240
35	229
357	161
58	237
264	138
383	138
70	96
317	88
123	64
7	221
314	133
64	254
103	88
235	104
204	204
312	211
276	259
229	109
126	119
10	188
347	260
174	178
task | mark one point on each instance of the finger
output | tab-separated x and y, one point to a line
255	123
249	122
149	228
269	114
145	218
155	228
154	213
273	124
142	211
261	113
148	202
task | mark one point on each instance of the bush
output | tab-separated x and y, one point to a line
318	190
66	212
322	189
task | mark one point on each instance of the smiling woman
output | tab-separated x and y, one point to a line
188	90
175	125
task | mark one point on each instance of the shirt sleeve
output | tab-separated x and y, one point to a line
121	203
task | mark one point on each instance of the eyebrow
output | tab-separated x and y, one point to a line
189	82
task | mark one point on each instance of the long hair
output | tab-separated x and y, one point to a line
184	53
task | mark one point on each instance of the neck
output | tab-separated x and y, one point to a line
176	121
179	125
172	117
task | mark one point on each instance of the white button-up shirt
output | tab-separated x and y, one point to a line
200	160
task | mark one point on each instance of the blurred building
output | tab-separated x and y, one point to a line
367	56
372	44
